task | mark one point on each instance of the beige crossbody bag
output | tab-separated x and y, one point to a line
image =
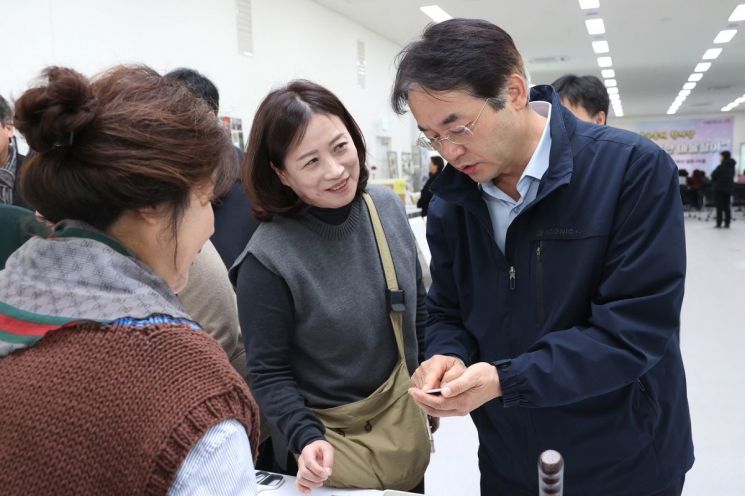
382	441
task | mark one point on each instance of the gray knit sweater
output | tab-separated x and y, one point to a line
340	345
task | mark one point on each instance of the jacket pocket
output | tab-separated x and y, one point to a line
647	395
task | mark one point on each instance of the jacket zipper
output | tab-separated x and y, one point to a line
539	282
512	277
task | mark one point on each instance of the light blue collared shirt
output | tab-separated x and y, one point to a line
502	208
220	464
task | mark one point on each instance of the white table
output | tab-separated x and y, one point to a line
288	488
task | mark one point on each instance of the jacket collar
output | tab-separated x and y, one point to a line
456	187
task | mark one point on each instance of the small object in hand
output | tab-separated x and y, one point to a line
270	483
435	391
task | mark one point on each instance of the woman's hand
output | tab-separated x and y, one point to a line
314	465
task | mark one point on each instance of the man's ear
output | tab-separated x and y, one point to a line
517	91
600	118
281	174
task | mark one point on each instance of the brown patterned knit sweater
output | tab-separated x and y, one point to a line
112	409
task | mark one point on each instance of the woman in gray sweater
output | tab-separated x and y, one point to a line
310	286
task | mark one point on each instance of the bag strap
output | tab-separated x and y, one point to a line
388	268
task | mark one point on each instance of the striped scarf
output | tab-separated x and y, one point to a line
78	274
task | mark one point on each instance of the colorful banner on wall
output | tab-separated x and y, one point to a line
692	143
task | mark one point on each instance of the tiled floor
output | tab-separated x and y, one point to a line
713	345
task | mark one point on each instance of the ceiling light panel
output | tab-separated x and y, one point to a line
595	26
738	14
436	13
711	53
600	46
589	4
725	36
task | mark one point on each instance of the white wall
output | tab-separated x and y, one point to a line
291	39
738	131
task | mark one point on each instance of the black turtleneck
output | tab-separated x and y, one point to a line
333	216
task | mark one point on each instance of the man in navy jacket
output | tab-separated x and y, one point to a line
558	267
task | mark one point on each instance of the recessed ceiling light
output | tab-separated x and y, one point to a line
595	26
670	111
435	13
684	92
740	100
689	86
702	67
605	61
725	36
711	53
589	4
612	91
738	14
726	109
696	76
600	46
608	73
609	83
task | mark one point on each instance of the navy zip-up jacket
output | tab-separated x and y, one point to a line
580	315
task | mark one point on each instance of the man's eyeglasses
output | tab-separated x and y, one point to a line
459	135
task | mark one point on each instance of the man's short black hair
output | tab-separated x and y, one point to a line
585	91
198	84
470	55
726	155
6	113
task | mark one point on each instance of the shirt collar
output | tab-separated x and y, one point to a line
538	164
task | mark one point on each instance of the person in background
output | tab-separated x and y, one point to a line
723	184
233	223
436	164
585	96
18	225
312	299
558	269
209	297
108	386
682	177
11	161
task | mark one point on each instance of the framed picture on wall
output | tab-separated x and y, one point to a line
406	163
392	158
234	127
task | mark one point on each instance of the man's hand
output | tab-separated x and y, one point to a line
314	465
438	369
460	395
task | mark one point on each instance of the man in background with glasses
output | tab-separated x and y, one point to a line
10	159
558	266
